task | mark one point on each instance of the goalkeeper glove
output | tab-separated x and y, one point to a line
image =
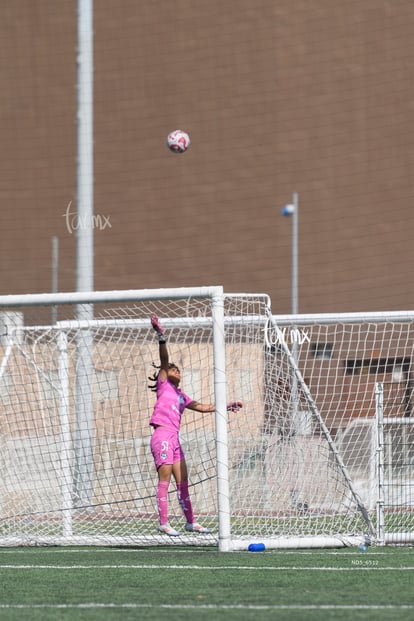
234	406
155	322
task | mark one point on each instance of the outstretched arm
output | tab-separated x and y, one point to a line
164	359
234	406
201	407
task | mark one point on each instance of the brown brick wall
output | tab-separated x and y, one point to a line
278	96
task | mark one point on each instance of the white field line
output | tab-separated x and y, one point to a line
360	567
175	551
96	605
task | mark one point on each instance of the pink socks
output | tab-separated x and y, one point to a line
185	502
183	499
162	501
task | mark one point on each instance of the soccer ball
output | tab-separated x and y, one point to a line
178	141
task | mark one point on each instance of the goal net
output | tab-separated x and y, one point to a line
293	468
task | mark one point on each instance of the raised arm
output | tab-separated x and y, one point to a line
162	341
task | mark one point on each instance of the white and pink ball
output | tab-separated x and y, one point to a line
178	141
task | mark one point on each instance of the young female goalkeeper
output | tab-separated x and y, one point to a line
165	443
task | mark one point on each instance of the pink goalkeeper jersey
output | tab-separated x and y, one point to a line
171	403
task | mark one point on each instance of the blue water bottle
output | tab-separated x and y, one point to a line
256	547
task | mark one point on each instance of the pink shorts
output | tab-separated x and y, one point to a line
165	447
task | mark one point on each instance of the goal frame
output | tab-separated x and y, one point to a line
226	540
85	300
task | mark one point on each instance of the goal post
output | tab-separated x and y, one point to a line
292	469
395	466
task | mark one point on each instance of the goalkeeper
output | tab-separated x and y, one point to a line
165	443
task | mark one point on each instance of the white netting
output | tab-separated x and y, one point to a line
79	463
75	406
287	478
341	359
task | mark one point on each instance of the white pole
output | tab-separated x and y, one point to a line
55	273
84	431
295	302
292	210
379	415
223	490
295	253
65	434
84	247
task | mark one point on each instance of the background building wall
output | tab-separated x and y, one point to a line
278	96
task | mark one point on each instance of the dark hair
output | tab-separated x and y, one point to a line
153	378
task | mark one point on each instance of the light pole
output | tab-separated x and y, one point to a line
292	210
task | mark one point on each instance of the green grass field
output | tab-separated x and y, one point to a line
186	584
